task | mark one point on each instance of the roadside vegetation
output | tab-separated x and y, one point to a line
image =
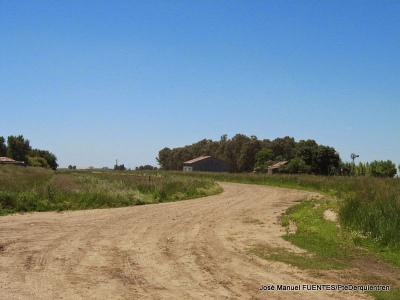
25	189
331	247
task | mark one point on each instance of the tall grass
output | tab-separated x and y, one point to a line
372	207
36	189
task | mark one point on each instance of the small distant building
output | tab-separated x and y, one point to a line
275	168
206	164
9	161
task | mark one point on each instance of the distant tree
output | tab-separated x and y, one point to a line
119	167
326	160
164	158
248	152
284	147
345	168
360	169
383	168
18	148
145	167
322	160
306	151
264	158
223	138
296	166
233	153
50	158
70	167
3	147
37	161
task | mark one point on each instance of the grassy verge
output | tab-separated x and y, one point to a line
330	247
326	247
36	189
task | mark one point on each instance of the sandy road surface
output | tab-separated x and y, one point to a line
184	250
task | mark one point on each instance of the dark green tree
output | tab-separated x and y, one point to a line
326	161
164	157
322	160
233	150
284	147
3	147
306	151
296	166
264	158
248	154
18	148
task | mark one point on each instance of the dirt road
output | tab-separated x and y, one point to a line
194	249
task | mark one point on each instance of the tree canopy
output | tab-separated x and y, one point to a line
19	149
247	154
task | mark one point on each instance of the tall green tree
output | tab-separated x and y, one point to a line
322	160
18	148
306	151
264	158
296	166
3	147
326	160
248	154
164	157
284	147
233	150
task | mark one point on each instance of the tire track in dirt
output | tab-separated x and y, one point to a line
194	249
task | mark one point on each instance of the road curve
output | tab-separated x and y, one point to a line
194	249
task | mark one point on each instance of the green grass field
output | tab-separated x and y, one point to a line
24	189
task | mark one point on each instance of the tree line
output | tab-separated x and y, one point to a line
376	168
18	148
248	154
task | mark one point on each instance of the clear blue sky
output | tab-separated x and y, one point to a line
93	81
